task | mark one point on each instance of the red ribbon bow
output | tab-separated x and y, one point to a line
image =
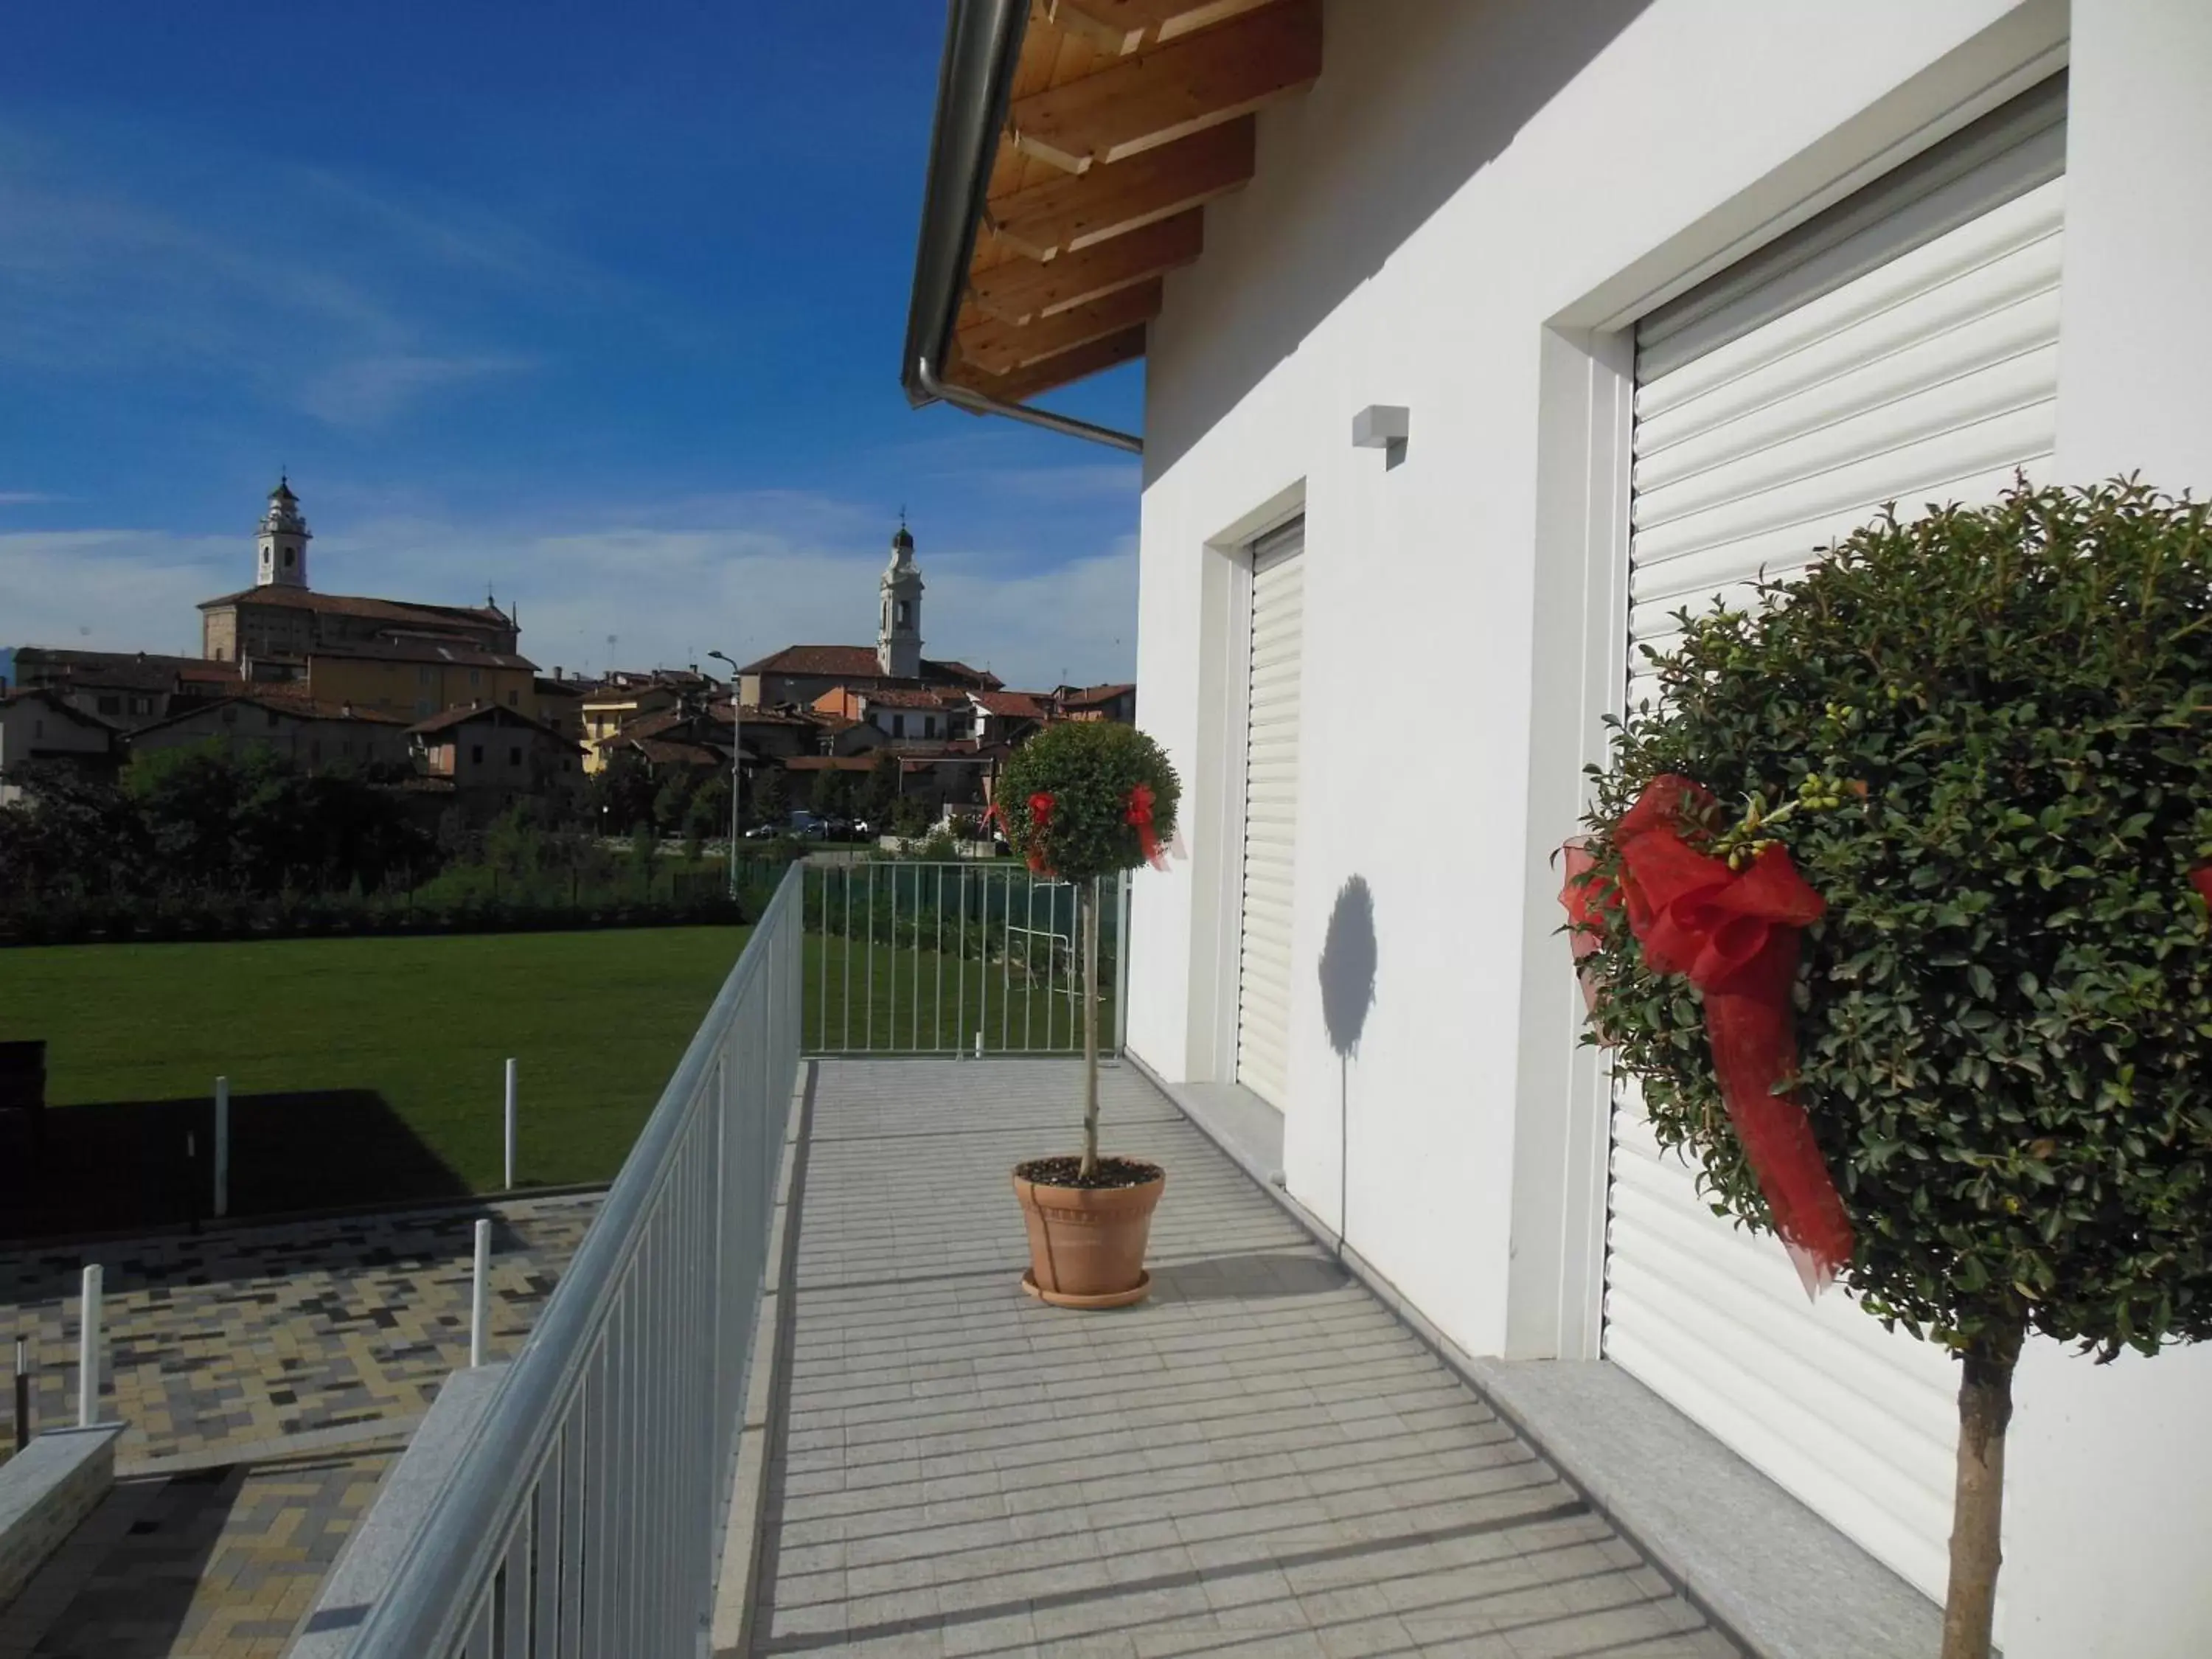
1039	821
1141	814
1733	934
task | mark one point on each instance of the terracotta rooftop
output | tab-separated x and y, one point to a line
52	698
498	714
897	696
357	604
297	705
660	753
1085	696
830	763
858	664
459	653
1011	705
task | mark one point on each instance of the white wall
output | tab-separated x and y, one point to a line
1459	218
2111	1466
1462	179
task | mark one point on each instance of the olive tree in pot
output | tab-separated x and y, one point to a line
1081	801
1926	835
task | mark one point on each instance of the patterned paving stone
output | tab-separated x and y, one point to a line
1259	1459
219	1564
238	1337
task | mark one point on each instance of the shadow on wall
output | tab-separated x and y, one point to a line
1347	967
1348	992
1414	100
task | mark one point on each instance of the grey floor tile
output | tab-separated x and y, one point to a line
1258	1461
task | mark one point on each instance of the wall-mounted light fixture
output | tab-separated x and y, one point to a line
1382	426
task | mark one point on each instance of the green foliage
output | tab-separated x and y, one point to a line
2005	1019
620	794
880	799
911	817
935	848
832	794
708	814
1090	769
201	818
771	792
671	800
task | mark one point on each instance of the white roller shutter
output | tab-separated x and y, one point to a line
1763	430
1271	793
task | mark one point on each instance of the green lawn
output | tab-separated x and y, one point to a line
860	997
360	1069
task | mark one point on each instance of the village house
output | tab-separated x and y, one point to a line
125	689
560	703
490	755
41	724
1095	702
316	737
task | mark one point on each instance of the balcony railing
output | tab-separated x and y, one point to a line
582	1516
919	958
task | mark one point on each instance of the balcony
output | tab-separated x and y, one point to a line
790	1398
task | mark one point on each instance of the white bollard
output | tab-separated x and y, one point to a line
88	1350
979	1042
222	1147
480	1295
510	1125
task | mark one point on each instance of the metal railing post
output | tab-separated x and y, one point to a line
222	1196
87	1348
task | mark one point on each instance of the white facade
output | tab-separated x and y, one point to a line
1465	217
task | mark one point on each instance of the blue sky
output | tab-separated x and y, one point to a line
598	306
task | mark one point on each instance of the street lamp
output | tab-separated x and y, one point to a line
737	778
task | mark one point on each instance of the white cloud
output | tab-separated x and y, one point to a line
113	590
369	390
744	575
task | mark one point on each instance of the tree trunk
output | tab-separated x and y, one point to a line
1086	904
1977	1507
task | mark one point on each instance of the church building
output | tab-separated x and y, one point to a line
397	657
802	673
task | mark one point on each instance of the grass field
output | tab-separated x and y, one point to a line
360	1069
866	999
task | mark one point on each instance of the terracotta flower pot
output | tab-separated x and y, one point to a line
1087	1243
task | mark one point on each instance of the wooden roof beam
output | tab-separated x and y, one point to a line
1126	26
1021	289
1066	214
1000	348
1140	102
1047	372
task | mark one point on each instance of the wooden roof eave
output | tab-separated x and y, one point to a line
1120	120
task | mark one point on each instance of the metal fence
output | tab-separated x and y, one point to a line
582	1517
957	958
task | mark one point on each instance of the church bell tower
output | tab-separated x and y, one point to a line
898	636
281	542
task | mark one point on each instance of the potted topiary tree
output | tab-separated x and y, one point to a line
1927	833
1082	800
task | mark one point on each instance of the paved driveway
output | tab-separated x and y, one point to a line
269	1375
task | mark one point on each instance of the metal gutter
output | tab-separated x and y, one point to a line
977	404
982	44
